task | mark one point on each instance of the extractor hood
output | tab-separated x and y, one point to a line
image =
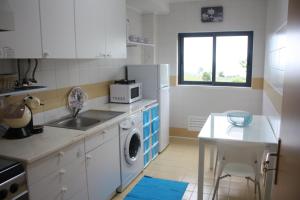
6	16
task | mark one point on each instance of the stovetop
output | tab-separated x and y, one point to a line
4	164
125	82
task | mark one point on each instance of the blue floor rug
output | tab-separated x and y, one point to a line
149	188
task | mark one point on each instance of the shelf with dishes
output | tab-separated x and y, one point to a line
135	44
134	40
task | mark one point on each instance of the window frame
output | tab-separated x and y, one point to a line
181	37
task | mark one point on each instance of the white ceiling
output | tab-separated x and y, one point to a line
149	6
153	6
174	1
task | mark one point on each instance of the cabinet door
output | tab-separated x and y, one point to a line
25	40
116	28
90	28
58	28
103	170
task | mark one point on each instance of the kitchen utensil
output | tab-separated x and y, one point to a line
26	80
146	40
33	80
140	39
133	38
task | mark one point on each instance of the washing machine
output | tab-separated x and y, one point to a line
131	149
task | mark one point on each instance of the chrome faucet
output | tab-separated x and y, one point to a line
75	113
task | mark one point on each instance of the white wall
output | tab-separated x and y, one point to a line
201	100
275	60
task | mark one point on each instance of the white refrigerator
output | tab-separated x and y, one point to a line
155	85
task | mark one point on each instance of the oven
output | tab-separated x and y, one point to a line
13	185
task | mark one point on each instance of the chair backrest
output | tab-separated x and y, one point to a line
240	152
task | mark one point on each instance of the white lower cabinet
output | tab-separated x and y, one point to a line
87	170
103	168
66	181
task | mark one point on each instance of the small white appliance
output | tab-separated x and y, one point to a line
131	149
125	91
155	81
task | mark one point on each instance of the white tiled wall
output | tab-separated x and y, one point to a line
275	57
54	114
66	73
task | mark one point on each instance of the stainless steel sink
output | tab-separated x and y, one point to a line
85	120
78	123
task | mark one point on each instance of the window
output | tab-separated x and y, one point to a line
218	58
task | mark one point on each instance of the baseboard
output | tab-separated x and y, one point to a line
183	132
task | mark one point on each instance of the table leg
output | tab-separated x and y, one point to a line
270	175
212	157
201	169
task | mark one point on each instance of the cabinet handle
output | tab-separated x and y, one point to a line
45	54
64	189
89	157
62	171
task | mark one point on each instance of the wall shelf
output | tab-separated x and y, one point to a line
135	44
15	92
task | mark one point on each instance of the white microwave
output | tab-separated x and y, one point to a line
125	93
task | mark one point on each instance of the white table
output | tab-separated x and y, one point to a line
217	129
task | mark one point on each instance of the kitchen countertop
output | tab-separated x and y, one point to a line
53	139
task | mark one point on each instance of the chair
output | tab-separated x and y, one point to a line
238	159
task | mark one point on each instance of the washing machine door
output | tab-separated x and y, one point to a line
132	147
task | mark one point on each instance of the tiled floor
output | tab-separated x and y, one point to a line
180	162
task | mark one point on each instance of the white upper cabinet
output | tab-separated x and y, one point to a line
116	28
66	29
90	28
58	28
25	40
100	28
